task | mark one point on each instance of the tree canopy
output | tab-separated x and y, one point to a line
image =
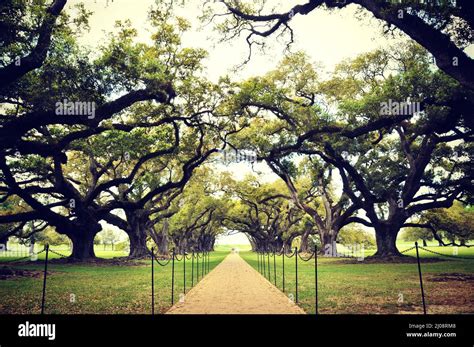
133	133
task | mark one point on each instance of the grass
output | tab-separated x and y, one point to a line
97	288
364	287
344	286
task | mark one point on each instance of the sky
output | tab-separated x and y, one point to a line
328	37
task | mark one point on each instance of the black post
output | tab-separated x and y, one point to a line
421	278
184	271
258	262
274	269
197	267
268	263
264	267
152	281
172	279
316	278
283	267
192	270
44	278
296	269
203	264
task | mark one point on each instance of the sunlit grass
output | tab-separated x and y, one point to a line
98	288
365	287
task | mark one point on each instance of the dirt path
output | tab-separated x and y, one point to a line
234	287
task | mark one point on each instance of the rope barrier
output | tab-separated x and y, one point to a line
444	255
263	266
408	249
308	259
59	254
23	258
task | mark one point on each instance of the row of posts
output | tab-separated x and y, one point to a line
263	266
200	268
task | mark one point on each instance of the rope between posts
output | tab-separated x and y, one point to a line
444	255
408	249
158	261
307	259
59	254
23	258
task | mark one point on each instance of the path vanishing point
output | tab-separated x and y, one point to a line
234	287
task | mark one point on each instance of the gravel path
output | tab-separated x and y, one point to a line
234	287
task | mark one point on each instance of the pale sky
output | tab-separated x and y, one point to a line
328	37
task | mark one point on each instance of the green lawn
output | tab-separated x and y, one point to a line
344	286
364	287
97	288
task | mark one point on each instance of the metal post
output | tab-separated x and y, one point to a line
283	268
197	267
192	270
172	279
421	278
264	267
296	270
258	262
203	264
316	277
268	263
274	269
44	278
184	271
152	281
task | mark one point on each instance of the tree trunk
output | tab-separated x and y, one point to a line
82	233
287	244
424	243
304	247
4	242
386	237
82	245
328	243
161	241
137	233
138	248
